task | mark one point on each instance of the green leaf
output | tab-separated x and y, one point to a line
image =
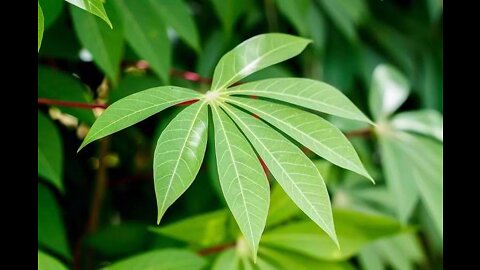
254	54
177	15
105	44
131	84
311	130
179	154
282	208
47	262
354	230
307	93
50	152
227	260
211	53
228	12
388	90
243	181
51	229
135	108
296	12
317	27
346	15
164	259
146	33
93	6
40	26
203	230
426	122
51	10
297	175
59	85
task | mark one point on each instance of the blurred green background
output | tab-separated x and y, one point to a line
98	207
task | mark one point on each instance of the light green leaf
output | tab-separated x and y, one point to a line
47	262
93	6
164	259
311	130
297	175
255	54
135	108
51	10
307	93
105	44
40	26
427	122
243	181
179	154
399	175
146	33
369	259
296	12
388	90
227	260
59	85
203	230
177	15
51	229
228	11
50	152
354	230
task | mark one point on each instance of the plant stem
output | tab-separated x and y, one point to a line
365	133
71	104
215	249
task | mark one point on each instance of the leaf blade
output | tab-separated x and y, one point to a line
179	154
255	54
40	26
164	259
93	6
426	121
132	109
50	152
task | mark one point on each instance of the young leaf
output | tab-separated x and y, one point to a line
306	93
146	33
388	90
93	6
51	229
426	122
177	15
50	152
311	130
47	262
164	259
40	26
297	175
179	154
105	44
255	54
135	108
243	181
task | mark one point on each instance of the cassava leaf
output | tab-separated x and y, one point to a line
426	122
228	12
47	262
51	10
93	6
255	54
296	12
227	260
179	154
135	108
243	181
50	152
307	93
297	175
40	26
309	129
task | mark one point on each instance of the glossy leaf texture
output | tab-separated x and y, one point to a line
164	259
179	154
146	32
47	262
243	181
297	175
95	7
309	129
40	26
255	54
426	122
388	91
51	229
178	15
306	93
135	108
59	85
50	152
105	44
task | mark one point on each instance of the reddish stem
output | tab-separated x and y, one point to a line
215	249
71	104
365	132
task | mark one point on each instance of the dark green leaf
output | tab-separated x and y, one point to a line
51	9
50	152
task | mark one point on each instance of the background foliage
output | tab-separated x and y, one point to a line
98	208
